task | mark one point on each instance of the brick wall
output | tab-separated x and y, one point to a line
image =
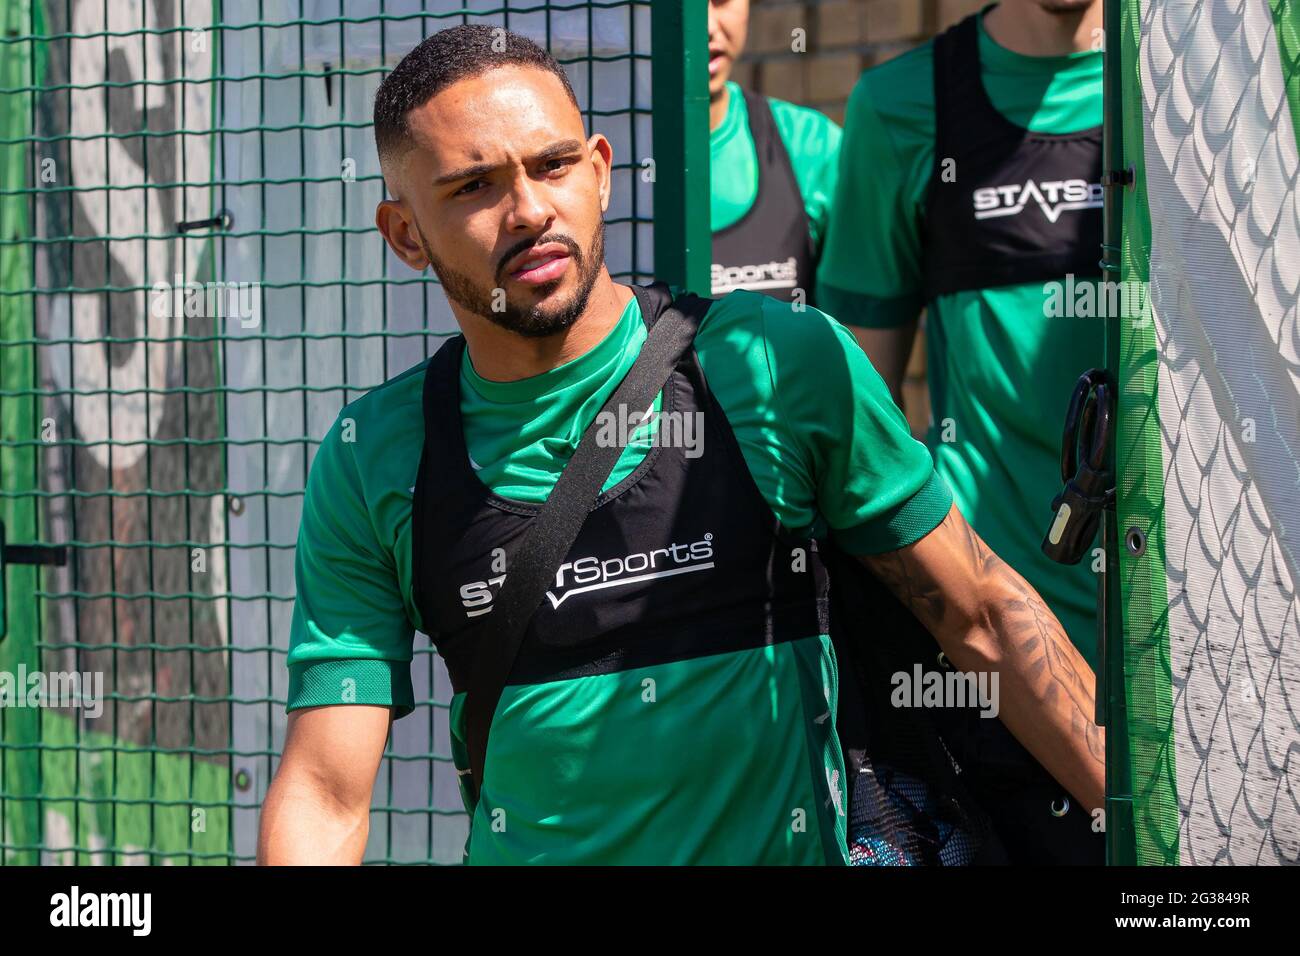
812	51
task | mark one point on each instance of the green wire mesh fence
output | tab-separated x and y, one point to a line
183	143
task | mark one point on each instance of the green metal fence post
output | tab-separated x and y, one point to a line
19	726
1120	842
680	93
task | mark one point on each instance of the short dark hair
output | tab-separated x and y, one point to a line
441	59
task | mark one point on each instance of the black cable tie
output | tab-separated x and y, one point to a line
223	221
46	554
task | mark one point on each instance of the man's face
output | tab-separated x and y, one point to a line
728	25
503	195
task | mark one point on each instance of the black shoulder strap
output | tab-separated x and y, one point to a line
962	109
762	124
950	52
553	531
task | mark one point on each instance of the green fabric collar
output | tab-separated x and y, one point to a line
596	365
733	123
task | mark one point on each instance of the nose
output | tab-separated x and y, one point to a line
531	209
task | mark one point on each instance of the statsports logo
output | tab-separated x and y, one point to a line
760	275
587	574
1052	198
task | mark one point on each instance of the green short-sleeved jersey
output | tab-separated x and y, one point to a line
1000	370
811	139
739	762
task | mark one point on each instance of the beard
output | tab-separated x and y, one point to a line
531	321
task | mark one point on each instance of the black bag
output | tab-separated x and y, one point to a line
943	786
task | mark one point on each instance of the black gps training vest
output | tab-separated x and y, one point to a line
683	558
770	249
1005	205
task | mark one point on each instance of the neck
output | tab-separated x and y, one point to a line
500	355
718	107
1024	27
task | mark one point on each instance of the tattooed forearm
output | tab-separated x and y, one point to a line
918	587
975	603
910	584
1027	623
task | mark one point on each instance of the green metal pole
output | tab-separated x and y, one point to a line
1120	836
680	100
20	728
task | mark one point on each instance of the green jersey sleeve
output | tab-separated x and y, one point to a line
875	484
870	272
825	443
350	640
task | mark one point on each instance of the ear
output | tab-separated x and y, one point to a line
602	158
397	224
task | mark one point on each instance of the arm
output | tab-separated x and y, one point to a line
889	350
877	490
870	275
317	810
349	646
987	618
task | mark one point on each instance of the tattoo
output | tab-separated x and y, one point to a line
1022	618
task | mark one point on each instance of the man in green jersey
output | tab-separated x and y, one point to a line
689	714
970	186
772	175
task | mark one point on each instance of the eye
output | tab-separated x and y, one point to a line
555	165
470	187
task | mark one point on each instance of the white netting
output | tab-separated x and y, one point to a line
1221	173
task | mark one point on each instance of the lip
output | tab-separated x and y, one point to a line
553	258
716	57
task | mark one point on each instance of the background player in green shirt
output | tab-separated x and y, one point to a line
1020	209
733	757
772	175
